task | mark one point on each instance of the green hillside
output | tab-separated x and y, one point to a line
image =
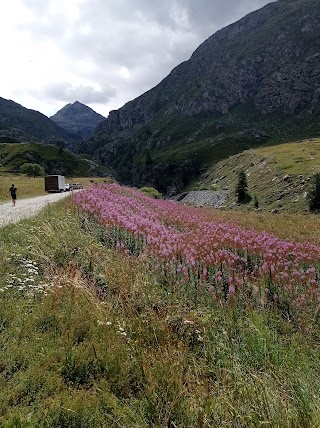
53	159
278	175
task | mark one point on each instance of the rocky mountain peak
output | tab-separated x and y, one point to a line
78	119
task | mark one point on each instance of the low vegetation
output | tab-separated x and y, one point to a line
299	157
92	337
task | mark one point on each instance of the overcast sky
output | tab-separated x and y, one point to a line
102	53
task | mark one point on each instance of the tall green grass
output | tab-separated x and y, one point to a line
97	341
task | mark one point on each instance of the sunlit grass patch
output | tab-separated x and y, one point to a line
27	187
302	157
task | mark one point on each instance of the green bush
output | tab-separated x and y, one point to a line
152	192
32	170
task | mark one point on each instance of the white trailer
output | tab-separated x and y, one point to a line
54	183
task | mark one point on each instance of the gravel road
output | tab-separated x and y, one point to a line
27	207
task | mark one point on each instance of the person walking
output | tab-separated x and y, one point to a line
13	193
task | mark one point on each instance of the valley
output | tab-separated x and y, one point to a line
180	287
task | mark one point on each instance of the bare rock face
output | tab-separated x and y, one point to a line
294	88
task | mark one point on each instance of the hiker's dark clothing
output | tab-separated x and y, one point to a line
13	192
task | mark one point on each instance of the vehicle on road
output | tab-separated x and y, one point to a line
67	187
76	186
54	183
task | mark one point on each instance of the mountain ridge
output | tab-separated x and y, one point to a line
18	123
254	82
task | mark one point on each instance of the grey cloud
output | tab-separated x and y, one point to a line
202	15
149	38
218	13
127	32
63	91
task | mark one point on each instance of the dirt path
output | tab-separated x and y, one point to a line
27	207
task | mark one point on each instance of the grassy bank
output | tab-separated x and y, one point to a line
89	338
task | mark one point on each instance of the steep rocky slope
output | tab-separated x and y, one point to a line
78	119
255	82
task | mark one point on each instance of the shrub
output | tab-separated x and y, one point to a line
152	192
32	170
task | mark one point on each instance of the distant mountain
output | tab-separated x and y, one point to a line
19	124
78	119
255	82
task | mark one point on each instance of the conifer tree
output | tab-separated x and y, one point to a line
242	193
314	194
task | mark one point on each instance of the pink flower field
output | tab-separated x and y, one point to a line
189	249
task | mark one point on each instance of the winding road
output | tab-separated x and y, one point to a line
27	207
